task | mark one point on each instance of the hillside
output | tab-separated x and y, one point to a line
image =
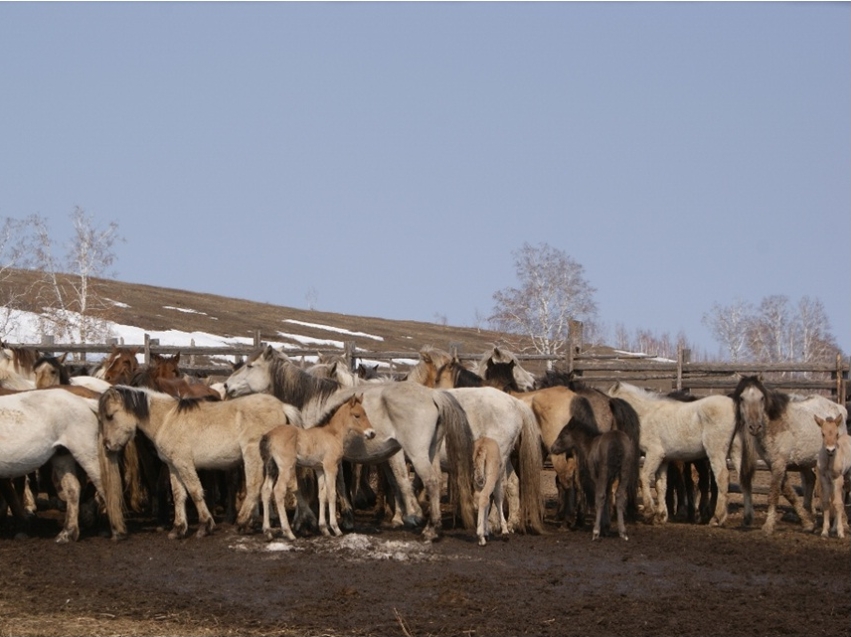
156	309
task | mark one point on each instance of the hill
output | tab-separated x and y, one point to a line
154	308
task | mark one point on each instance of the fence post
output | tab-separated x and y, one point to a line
349	355
147	346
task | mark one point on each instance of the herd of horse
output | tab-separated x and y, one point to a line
274	435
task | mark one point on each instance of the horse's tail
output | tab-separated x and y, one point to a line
459	452
113	493
132	477
531	464
626	420
743	454
270	467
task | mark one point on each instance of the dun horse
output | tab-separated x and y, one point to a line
488	472
319	447
192	434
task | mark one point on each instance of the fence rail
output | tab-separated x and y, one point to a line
680	374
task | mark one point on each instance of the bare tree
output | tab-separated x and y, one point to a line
775	331
729	325
553	291
70	299
12	253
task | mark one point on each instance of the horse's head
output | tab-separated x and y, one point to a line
50	371
830	428
121	366
358	420
750	398
254	377
120	410
163	367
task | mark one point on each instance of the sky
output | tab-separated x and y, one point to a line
386	159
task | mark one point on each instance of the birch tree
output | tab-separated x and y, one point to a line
12	251
69	298
553	291
729	326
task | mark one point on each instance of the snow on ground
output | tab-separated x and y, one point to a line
333	329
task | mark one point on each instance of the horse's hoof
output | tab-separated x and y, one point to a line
482	541
268	535
624	537
413	521
118	537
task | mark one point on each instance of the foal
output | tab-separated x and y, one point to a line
834	471
488	471
320	448
602	458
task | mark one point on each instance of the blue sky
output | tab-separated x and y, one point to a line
385	159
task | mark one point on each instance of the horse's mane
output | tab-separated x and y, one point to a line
330	409
775	401
143	378
556	378
295	386
582	417
683	396
461	376
134	400
25	358
188	403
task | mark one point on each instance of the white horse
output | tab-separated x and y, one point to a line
512	424
834	471
408	419
35	424
782	429
676	430
191	434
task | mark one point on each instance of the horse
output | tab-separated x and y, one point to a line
319	447
163	374
409	420
512	424
551	406
34	425
488	472
602	458
675	430
784	434
17	370
191	434
118	366
834	471
501	363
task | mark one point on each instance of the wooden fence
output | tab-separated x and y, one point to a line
596	370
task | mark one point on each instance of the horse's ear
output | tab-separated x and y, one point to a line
426	357
268	352
819	421
176	358
61	359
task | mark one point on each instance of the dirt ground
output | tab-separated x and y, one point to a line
676	579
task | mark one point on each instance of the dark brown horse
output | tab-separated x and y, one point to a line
603	459
119	366
163	374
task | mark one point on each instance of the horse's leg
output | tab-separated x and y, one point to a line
601	489
808	481
652	460
512	494
347	511
189	482
178	496
661	487
837	504
718	462
498	499
564	483
266	502
827	503
321	479
286	478
330	469
797	504
68	490
413	513
621	497
429	472
743	455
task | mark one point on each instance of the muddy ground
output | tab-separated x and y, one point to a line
677	579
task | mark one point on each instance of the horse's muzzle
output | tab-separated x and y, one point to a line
369	434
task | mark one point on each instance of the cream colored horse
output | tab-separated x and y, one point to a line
319	447
834	471
488	472
192	434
